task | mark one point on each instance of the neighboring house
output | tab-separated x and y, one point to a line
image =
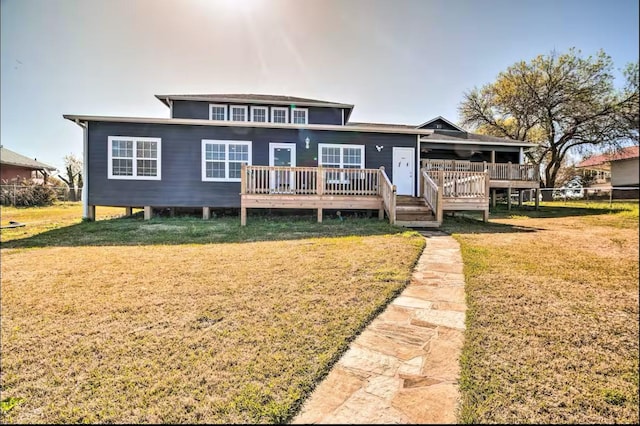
15	167
258	151
617	169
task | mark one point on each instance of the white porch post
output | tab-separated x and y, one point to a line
86	214
521	160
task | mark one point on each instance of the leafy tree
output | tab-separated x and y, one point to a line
562	102
73	178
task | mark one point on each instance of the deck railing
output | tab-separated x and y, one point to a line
431	194
497	171
388	194
457	184
320	181
309	181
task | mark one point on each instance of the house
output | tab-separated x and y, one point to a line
264	151
619	169
15	167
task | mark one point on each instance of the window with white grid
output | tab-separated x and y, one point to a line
340	157
279	115
134	158
238	113
222	159
217	112
299	115
259	114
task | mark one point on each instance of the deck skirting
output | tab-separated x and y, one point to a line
286	201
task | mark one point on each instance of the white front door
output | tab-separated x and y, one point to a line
403	169
282	154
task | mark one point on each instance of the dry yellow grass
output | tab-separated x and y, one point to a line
211	333
552	325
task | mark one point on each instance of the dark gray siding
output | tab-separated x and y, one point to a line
181	184
191	109
200	110
325	115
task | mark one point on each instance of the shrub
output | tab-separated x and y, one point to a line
27	194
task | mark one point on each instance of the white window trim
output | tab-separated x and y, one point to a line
246	112
134	158
211	106
286	113
266	113
203	159
341	146
306	115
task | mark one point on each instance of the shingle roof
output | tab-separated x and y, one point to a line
621	154
401	126
13	158
250	97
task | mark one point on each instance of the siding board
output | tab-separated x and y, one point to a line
181	184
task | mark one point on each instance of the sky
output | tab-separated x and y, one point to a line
398	61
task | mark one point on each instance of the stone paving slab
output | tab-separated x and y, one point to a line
404	367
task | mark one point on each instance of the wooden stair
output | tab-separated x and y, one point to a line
412	212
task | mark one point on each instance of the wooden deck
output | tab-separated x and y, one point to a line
444	186
316	188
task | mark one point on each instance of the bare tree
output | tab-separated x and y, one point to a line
73	178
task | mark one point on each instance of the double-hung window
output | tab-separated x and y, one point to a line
217	112
259	114
238	113
279	114
340	157
299	115
134	158
222	159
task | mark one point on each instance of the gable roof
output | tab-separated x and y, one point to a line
14	159
621	154
441	118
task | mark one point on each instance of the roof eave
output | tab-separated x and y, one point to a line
165	98
197	122
507	142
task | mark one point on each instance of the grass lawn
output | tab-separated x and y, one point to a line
184	320
552	320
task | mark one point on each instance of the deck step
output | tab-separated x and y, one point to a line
418	223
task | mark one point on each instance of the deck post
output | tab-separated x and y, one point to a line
243	216
381	211
128	211
206	213
520	194
493	197
243	178
485	215
509	198
320	181
440	211
537	198
319	214
91	212
148	212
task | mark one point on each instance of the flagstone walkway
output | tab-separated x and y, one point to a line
403	368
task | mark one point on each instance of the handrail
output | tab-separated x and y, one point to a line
431	194
388	194
308	180
497	171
